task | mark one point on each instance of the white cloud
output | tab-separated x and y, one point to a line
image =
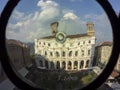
17	15
70	15
37	24
34	25
45	4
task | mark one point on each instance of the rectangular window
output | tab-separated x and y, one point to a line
48	44
51	54
88	52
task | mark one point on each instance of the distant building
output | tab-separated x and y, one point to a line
102	55
68	52
19	53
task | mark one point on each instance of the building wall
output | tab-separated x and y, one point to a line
105	53
19	54
117	67
53	51
102	55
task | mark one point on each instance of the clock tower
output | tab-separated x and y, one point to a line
90	29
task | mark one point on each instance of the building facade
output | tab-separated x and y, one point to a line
102	55
68	52
19	53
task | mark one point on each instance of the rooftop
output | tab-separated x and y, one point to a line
15	42
106	43
69	36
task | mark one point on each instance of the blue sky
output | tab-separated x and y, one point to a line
31	18
114	3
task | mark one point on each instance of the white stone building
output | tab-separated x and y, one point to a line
68	52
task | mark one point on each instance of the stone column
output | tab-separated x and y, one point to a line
72	65
60	64
55	65
84	64
43	63
78	65
66	67
49	65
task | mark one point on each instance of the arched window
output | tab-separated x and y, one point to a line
46	64
70	53
57	54
51	54
58	65
39	43
41	63
76	53
52	65
44	43
88	52
45	53
83	42
63	64
89	41
81	64
69	65
63	53
75	65
48	44
87	63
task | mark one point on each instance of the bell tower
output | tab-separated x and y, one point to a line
90	29
54	27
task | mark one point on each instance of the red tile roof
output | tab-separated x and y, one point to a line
15	42
114	73
107	43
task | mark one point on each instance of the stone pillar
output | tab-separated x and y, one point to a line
49	65
43	63
60	64
78	65
66	67
84	64
55	65
72	65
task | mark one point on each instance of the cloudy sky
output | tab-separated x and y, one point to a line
31	18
